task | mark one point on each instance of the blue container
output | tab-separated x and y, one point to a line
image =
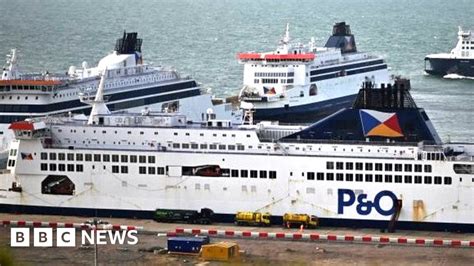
187	244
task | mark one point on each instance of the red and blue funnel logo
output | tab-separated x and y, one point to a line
380	124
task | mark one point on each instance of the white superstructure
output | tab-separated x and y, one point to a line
130	85
127	164
298	82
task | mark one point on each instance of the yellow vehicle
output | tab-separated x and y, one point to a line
297	219
252	218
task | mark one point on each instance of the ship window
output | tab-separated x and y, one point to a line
151	159
88	157
398	167
79	157
428	168
115	158
329	165
320	176
160	170
349	177
437	180
185	146
124	158
106	157
330	176
447	180
368	178
176	145
253	173
151	170
96	157
408	167
244	173
388	178
240	147
133	159
221	147
115	169
463	169
378	178
368	166
339	165
339	177
417	179
235	173
359	166
273	174
378	167
52	167
213	146
418	168
203	146
142	170
428	180
398	179
79	168
408	179
263	174
388	167
44	167
52	156
359	177
44	156
349	166
194	146
70	156
231	147
142	159
310	176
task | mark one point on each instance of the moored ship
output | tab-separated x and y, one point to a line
131	85
458	63
357	167
303	83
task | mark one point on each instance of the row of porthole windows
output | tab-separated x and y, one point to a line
239	147
62	167
379	167
407	179
98	157
18	97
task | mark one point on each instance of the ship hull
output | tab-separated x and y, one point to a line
445	66
307	113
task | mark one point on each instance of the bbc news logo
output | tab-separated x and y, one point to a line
66	237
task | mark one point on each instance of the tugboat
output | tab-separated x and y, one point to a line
458	63
303	83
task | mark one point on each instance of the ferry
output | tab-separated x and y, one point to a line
376	163
300	83
131	85
457	64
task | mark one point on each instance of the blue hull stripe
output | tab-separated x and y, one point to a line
229	218
348	73
346	67
53	107
307	113
118	106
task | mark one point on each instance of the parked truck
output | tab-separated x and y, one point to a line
205	216
298	219
252	218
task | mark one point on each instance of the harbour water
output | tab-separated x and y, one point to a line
202	37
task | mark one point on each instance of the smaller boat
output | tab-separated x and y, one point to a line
458	63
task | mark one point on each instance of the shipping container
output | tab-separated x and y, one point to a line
187	244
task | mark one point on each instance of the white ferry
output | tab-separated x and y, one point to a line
370	165
302	83
131	85
457	64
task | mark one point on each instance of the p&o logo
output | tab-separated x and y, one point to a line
347	198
